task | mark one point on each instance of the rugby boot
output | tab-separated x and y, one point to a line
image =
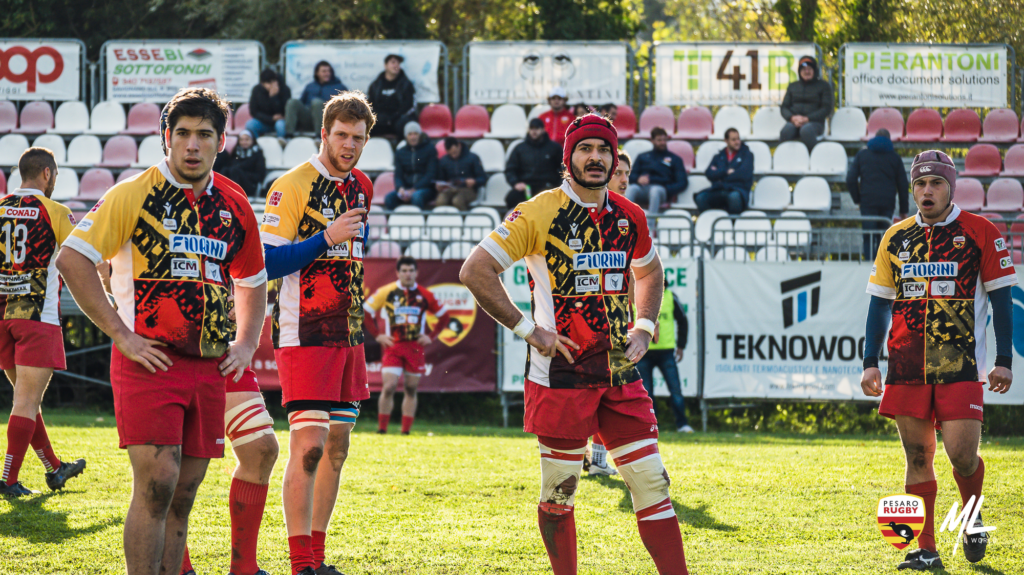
920	560
975	545
56	479
15	490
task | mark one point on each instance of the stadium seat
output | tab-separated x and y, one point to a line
11	148
508	122
625	122
768	123
423	250
692	252
8	116
377	225
150	152
970	194
143	119
636	146
732	117
770	193
695	184
706	224
3	183
684	150
489	212
492	154
405	226
753	228
1013	164
443	227
274	155
1018	257
674	228
241	116
436	120
85	151
444	210
762	156
14	180
125	174
732	254
95	183
962	125
229	144
495	190
107	118
536	111
771	254
705	153
36	118
654	116
408	209
997	221
66	186
71	118
848	125
924	125
664	252
390	250
1004	195
812	194
119	152
791	158
982	160
512	145
299	150
828	158
471	122
792	229
889	118
1000	126
382	186
476	227
55	144
457	251
695	123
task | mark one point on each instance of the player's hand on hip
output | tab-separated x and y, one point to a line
637	342
385	340
679	354
143	351
238	358
999	379
423	340
871	382
345	227
549	343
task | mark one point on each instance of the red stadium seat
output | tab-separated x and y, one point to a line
241	117
119	152
996	220
8	116
1000	126
378	224
684	150
970	195
1013	164
229	144
471	122
124	175
95	183
889	118
436	120
924	125
382	186
962	125
3	183
1018	256
36	118
695	123
143	120
1017	229
389	250
655	116
625	122
439	146
982	160
1005	195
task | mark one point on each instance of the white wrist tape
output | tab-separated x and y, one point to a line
524	328
645	324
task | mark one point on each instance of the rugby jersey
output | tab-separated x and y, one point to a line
939	276
321	304
578	258
405	310
32	228
171	253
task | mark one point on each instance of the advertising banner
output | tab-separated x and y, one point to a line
154	70
357	65
40	70
710	74
925	76
525	72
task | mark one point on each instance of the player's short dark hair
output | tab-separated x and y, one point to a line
267	75
450	142
405	261
731	130
624	157
609	107
33	161
198	103
658	131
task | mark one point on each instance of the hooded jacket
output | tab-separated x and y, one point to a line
536	163
416	167
392	98
247	168
811	98
742	164
263	107
456	171
323	91
663	168
877	177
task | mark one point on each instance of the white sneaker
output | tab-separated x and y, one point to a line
685	429
603	469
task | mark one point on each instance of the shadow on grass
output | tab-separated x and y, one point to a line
27	519
986	569
694	516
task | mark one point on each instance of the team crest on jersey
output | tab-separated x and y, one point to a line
275	198
958	242
461	312
512	217
72	218
623	227
225	218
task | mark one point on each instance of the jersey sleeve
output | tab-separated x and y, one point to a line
432	305
375	302
63	221
881	282
516	237
644	252
248	269
108	225
285	206
997	269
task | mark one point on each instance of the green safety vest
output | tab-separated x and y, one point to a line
666	323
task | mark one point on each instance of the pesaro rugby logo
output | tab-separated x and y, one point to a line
461	312
900	519
803	304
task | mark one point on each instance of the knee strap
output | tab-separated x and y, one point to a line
308	418
644	473
560	471
248	422
347	414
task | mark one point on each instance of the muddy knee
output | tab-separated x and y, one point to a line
918	456
311	459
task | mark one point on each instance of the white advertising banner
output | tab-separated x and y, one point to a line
525	72
40	70
357	65
925	76
710	74
153	71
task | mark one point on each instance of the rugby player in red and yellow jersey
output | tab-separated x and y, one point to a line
405	305
32	227
934	276
176	236
579	243
313	236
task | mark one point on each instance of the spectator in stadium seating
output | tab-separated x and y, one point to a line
620	179
534	165
580	110
731	174
807	104
267	104
460	175
558	118
610	111
876	179
307	113
393	97
415	170
246	166
657	177
665	353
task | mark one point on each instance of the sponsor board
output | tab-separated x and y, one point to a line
40	70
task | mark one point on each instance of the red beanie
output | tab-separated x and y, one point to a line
589	126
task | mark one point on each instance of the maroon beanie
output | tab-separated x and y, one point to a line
934	163
589	126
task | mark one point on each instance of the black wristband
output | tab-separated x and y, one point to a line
870	362
1004	361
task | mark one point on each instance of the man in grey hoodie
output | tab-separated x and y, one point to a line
808	103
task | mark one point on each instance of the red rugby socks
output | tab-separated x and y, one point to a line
663	541
382	421
319	547
971	485
246	502
407	423
186	563
557	525
300	551
19	435
926	491
41	445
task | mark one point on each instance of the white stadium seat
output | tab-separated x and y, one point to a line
713	220
70	118
694	185
772	254
674	229
457	251
828	158
705	153
752	228
732	254
848	125
404	226
66	186
812	193
444	210
55	144
768	123
14	180
85	151
791	158
732	117
762	157
492	154
692	252
490	212
273	153
512	146
771	193
476	227
508	121
408	209
423	250
11	148
299	150
664	252
107	118
537	110
443	227
150	152
792	229
377	156
637	146
495	190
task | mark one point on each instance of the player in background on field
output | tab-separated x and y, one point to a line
405	305
579	243
933	278
31	342
313	237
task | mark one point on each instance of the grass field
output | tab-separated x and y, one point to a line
462	500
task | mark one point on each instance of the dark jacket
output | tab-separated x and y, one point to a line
263	107
663	168
391	99
877	177
247	168
812	99
457	171
742	164
323	91
416	167
536	163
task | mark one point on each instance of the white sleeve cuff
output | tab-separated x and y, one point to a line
273	239
252	281
490	246
83	247
881	291
639	263
1001	282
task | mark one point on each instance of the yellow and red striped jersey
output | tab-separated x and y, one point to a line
406	309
